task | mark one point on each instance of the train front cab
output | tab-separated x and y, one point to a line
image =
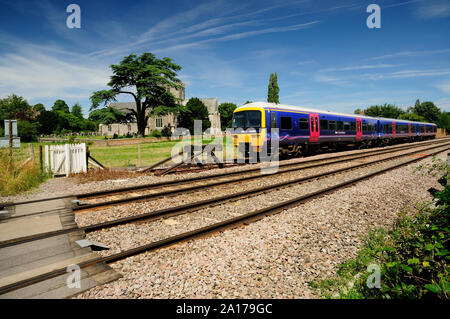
249	129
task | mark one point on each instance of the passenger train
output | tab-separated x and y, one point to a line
302	131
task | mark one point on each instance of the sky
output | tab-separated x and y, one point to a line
323	52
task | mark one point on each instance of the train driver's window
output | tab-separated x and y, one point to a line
340	125
353	126
332	125
286	122
303	124
323	124
346	126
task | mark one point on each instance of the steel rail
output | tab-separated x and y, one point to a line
239	179
210	229
190	207
212	176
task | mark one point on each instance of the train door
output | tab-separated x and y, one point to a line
314	131
393	129
409	129
358	129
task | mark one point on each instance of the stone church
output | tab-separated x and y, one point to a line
158	123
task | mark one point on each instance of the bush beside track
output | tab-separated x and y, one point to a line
413	256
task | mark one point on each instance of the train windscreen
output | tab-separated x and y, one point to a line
247	119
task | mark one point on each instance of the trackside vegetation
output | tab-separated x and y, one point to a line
18	176
412	257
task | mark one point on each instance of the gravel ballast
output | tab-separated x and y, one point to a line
70	186
99	215
276	257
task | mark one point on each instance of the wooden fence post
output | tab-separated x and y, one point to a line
31	150
139	156
40	158
47	160
10	138
68	158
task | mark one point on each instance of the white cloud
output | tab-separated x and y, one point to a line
37	75
444	86
411	54
360	67
407	74
433	9
331	80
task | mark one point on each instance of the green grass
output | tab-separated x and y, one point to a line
127	155
119	155
16	176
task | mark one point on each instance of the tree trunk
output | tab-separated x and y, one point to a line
141	124
140	118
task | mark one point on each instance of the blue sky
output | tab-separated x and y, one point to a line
323	52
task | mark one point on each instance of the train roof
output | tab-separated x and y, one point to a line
304	109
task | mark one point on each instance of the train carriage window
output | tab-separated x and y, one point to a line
332	125
388	128
324	124
286	122
346	126
303	123
413	129
340	125
353	126
364	127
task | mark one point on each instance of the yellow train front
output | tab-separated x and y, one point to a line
249	129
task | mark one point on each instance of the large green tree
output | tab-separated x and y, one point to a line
107	115
385	110
47	122
444	121
412	117
39	107
427	110
147	80
77	110
60	105
273	90
194	110
15	107
226	114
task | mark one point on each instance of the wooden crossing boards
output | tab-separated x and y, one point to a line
26	266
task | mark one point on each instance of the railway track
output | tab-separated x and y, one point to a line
187	186
213	201
201	179
378	167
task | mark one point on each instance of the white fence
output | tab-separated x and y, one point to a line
65	159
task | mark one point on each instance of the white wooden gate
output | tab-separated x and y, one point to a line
65	159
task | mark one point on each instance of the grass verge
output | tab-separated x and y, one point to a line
18	175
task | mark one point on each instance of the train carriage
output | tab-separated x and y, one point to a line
305	130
